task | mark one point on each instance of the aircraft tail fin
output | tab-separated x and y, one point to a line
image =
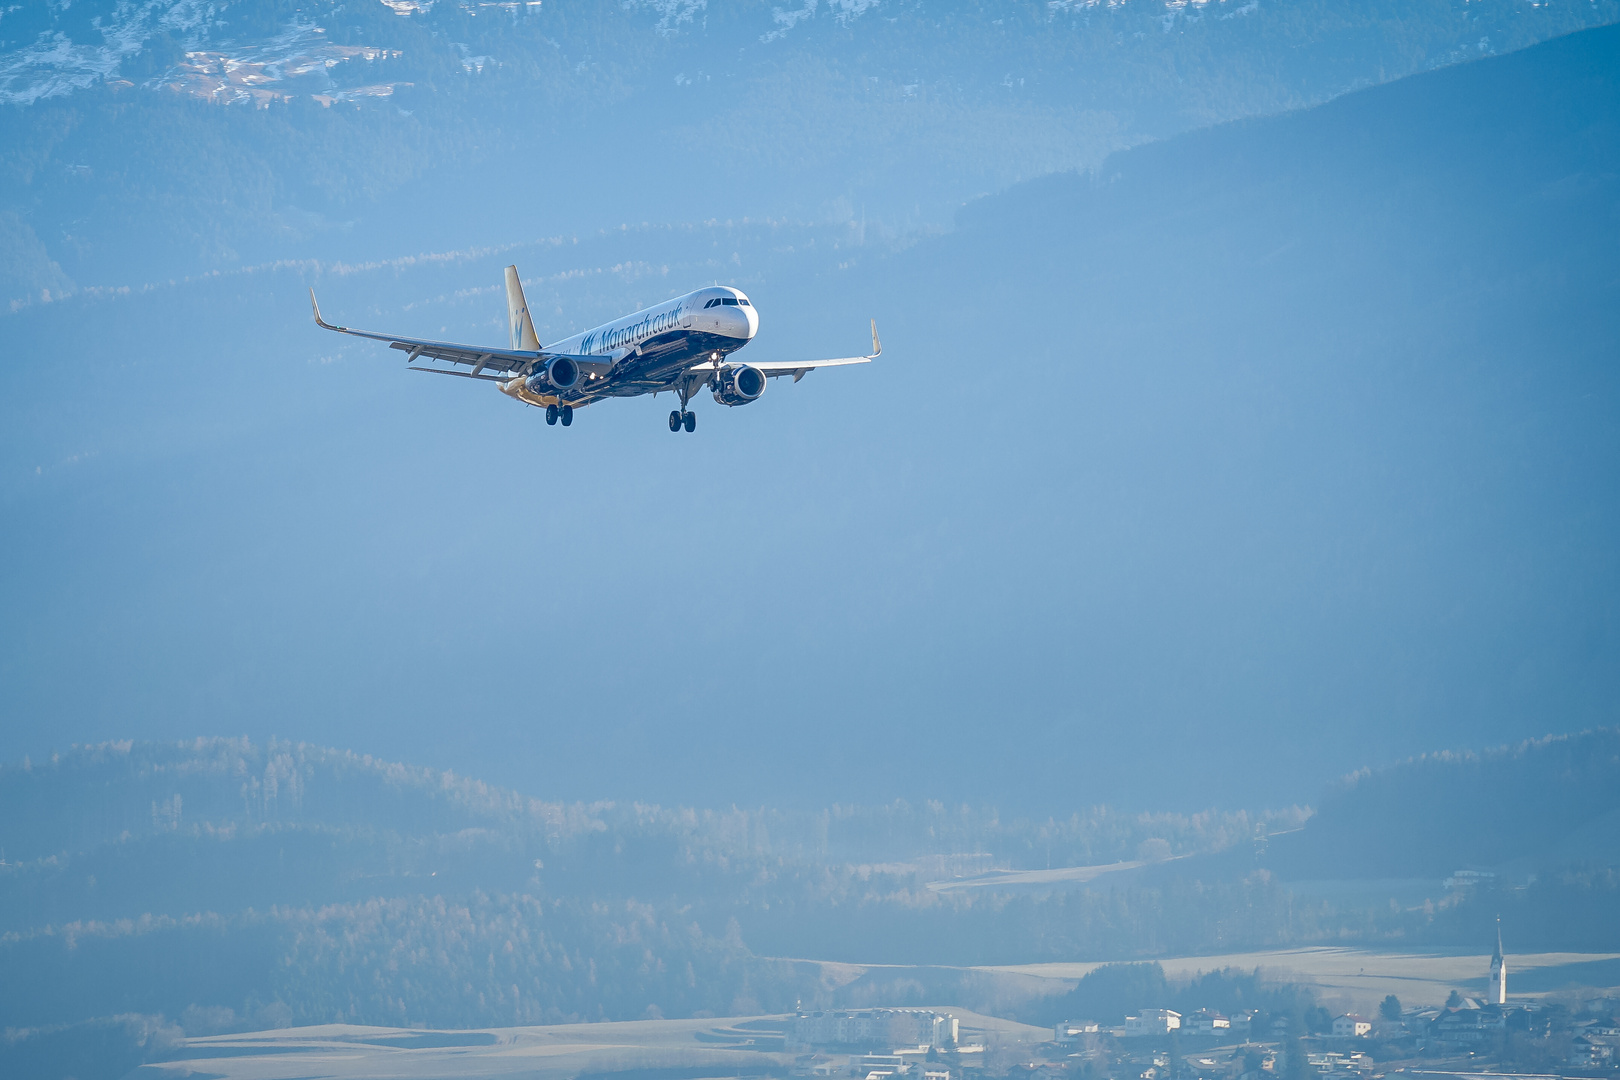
517	314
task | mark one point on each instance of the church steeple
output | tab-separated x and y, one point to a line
1498	993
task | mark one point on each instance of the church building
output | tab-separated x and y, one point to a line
1498	990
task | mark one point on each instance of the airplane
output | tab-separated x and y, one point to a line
684	345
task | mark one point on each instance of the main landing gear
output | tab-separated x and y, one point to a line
564	413
682	417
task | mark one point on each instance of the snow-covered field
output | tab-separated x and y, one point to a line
343	1051
1364	976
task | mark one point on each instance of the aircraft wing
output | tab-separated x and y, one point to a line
480	358
800	368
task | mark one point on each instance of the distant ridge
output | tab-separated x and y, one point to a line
932	102
105	792
1535	804
1503	111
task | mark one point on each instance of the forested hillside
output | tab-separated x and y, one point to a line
224	884
1495	809
103	833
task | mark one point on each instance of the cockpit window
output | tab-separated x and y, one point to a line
729	301
743	302
711	303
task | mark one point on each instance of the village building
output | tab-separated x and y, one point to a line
1332	1066
1467	1026
1152	1022
873	1029
1072	1030
1592	1051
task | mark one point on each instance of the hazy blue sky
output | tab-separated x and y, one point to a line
1263	461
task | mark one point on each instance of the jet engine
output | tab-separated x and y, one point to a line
560	373
739	385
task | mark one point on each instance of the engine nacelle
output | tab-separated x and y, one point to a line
560	373
739	385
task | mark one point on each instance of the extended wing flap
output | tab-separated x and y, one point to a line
504	360
459	374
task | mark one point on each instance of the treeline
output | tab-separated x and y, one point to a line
1540	804
491	960
1183	911
113	811
886	920
475	961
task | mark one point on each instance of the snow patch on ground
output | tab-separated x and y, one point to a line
54	65
226	73
250	73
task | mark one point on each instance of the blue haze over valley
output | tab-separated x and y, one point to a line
1248	416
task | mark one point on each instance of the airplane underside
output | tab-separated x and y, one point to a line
663	362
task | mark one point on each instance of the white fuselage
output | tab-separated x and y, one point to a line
717	318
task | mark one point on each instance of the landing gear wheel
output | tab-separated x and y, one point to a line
567	415
551	414
675	420
690	420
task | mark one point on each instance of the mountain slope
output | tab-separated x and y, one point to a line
167	137
1535	806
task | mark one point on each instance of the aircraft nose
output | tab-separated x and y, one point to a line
739	322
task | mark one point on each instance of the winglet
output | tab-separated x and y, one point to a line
316	308
877	346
